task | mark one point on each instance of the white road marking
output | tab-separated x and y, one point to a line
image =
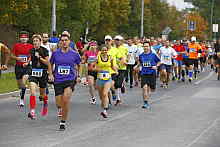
205	78
203	132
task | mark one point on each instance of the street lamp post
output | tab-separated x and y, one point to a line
211	18
53	19
142	19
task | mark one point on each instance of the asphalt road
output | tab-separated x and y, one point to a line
184	115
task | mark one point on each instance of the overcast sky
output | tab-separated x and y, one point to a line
180	4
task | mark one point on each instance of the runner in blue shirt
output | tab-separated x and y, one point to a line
66	71
148	62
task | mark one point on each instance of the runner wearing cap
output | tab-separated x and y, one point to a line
21	53
121	59
194	49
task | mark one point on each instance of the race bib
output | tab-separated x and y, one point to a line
166	58
23	58
91	59
64	70
104	75
37	72
192	50
147	64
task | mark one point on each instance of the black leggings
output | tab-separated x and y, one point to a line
129	73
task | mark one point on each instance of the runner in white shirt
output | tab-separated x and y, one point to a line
132	50
166	54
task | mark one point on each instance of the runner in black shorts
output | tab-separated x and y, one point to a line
38	77
66	71
21	53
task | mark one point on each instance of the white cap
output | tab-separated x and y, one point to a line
108	37
193	38
119	37
66	33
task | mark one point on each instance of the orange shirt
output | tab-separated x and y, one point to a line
193	50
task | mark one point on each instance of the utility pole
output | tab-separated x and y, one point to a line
142	19
53	19
211	18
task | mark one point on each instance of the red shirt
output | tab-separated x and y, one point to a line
178	49
22	50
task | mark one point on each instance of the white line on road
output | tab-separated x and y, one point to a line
203	132
206	78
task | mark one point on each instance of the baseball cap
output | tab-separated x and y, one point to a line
118	37
108	37
193	38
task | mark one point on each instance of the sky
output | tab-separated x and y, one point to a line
180	4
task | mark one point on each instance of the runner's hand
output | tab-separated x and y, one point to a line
25	64
4	67
154	67
51	78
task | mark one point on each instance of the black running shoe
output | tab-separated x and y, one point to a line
40	98
62	127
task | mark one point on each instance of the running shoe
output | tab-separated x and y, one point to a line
118	102
32	115
44	110
183	79
92	101
62	126
40	98
146	106
190	80
21	103
104	114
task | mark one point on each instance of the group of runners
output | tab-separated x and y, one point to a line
110	67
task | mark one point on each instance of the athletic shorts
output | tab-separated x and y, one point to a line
101	83
59	87
93	74
185	62
114	77
194	62
120	78
41	81
150	80
178	62
167	67
20	71
202	59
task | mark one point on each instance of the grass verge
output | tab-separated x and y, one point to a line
8	82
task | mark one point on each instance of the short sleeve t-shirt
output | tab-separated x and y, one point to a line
193	50
43	52
65	65
166	54
147	61
122	52
178	49
132	51
22	50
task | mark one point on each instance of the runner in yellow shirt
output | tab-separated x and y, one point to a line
121	59
105	65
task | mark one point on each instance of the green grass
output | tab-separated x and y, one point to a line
8	82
